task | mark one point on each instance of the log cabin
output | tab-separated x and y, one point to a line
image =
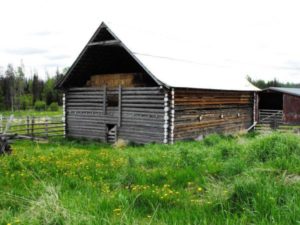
124	85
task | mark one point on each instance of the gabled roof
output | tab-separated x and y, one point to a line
292	91
166	61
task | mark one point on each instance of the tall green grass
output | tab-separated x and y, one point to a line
248	179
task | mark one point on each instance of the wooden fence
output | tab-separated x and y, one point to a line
33	126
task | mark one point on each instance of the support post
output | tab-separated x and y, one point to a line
46	126
27	124
64	114
1	123
104	99
120	106
166	117
172	116
32	127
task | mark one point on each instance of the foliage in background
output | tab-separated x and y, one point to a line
54	107
272	83
40	106
248	179
20	92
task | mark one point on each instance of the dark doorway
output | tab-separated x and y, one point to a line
270	100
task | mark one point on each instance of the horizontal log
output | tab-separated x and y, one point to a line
199	126
180	108
142	101
86	100
143	97
127	105
85	89
94	137
211	103
85	133
138	129
83	104
143	138
87	129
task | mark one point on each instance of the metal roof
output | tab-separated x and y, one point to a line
173	63
292	91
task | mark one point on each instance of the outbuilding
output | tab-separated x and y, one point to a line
132	87
279	105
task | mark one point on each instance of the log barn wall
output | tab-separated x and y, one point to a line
291	109
200	112
139	114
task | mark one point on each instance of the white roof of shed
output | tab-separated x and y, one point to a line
175	62
292	91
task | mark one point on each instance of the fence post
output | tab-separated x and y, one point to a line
32	127
46	126
1	124
27	125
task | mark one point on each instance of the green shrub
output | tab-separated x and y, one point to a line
40	106
25	101
54	107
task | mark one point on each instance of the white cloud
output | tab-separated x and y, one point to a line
259	38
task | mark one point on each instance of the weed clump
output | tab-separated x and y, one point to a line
212	139
277	145
121	144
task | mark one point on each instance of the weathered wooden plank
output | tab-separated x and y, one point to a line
84	104
85	89
143	105
93	137
128	97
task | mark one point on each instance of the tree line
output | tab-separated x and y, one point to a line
20	92
272	83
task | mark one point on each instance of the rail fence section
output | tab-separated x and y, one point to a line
33	126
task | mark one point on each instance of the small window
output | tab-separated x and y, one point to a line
112	100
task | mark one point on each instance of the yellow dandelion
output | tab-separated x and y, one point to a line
117	210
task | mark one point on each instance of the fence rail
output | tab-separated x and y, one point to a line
33	126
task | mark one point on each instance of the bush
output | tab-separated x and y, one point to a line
25	101
40	106
54	107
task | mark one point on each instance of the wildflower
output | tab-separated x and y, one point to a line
117	210
149	216
199	189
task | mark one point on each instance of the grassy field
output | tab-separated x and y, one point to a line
32	113
247	179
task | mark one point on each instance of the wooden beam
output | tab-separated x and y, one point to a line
104	99
120	106
105	43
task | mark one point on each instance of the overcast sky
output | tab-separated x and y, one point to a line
261	38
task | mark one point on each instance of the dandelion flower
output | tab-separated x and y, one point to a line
117	210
